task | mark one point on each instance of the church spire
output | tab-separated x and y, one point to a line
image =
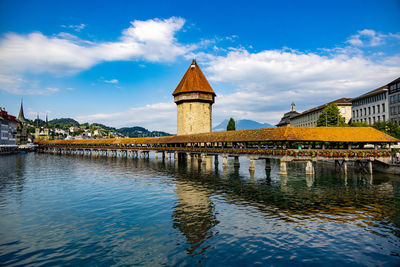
21	116
47	120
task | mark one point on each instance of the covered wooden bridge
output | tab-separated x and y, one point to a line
310	144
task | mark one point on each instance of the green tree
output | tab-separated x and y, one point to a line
231	125
359	124
330	116
388	127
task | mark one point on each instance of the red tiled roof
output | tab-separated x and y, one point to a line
193	81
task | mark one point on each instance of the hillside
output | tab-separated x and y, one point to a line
136	131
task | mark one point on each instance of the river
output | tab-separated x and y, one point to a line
79	210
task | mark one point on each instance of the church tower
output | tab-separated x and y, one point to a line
22	135
194	98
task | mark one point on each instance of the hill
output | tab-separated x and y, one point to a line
242	125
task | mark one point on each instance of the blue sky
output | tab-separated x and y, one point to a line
117	62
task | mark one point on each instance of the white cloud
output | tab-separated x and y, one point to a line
265	83
114	81
159	116
77	28
152	40
371	38
270	80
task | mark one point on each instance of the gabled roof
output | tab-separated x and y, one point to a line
193	81
371	93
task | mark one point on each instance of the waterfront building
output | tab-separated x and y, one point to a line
285	121
371	107
394	100
8	128
194	98
22	135
310	117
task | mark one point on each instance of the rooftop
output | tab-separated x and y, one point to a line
193	81
319	134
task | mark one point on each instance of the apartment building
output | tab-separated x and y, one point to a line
371	107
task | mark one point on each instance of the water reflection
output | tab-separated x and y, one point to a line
197	210
194	215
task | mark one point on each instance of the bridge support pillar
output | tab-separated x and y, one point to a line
268	164
236	163
370	167
251	164
216	160
224	161
175	156
188	157
283	169
166	155
156	155
309	168
203	159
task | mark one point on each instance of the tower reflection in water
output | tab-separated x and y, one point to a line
194	215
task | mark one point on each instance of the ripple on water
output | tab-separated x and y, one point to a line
71	210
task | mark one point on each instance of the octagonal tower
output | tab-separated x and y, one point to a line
194	98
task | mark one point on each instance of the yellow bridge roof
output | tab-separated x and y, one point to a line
322	134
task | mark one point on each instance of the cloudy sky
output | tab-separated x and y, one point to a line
117	62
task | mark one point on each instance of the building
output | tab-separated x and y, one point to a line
371	107
8	128
22	135
310	117
194	98
285	121
394	100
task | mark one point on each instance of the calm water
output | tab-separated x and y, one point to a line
75	210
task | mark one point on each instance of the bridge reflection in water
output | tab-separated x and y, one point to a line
326	198
211	213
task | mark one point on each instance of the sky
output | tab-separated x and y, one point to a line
118	62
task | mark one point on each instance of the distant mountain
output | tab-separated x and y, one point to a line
242	125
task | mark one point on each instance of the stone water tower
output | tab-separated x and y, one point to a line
194	98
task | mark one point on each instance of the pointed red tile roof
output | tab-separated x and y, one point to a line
193	81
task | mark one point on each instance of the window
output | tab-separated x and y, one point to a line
369	121
369	110
373	120
379	118
379	108
373	109
383	107
357	113
365	111
391	99
383	118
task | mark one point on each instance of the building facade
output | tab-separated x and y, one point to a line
8	128
394	100
371	107
287	117
194	98
310	117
